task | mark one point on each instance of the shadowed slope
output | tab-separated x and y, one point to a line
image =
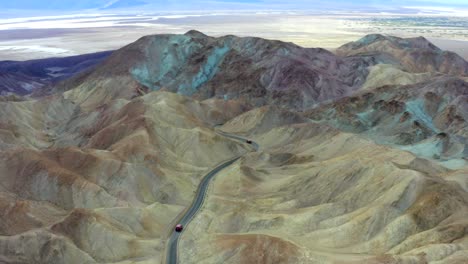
25	77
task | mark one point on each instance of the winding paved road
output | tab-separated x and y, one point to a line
172	246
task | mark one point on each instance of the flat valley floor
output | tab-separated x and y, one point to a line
34	38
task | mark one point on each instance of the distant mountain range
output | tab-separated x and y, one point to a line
24	77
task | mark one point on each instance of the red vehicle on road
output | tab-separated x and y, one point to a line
179	228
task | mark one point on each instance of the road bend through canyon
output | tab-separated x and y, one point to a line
172	246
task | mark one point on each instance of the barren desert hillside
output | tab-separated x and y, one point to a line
362	155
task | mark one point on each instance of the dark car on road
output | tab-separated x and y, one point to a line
248	141
179	228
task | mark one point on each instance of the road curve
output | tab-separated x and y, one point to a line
173	243
254	145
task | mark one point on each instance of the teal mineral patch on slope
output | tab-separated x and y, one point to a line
210	68
433	149
416	108
366	118
206	72
428	148
142	75
164	59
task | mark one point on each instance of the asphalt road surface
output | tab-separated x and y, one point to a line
171	257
